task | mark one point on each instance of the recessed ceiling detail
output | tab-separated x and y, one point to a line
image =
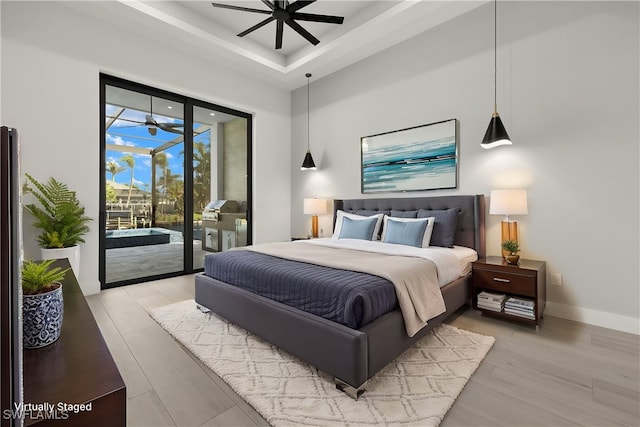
287	13
370	26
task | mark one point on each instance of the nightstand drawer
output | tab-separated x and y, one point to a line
505	282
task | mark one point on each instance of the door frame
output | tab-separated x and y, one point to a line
188	104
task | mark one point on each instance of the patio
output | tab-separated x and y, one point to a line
129	263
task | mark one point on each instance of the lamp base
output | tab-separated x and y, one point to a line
314	226
509	232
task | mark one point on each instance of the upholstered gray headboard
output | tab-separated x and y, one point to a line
470	229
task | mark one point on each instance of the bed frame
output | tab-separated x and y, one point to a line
351	356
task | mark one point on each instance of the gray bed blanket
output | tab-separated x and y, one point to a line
415	279
350	298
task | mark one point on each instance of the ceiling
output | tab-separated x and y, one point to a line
369	27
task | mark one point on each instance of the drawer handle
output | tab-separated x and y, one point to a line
497	279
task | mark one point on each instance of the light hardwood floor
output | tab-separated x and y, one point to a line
566	373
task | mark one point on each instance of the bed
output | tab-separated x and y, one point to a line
350	355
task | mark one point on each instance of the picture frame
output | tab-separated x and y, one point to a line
418	158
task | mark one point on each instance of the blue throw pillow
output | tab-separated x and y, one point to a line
358	228
405	233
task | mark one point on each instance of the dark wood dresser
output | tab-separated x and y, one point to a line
76	369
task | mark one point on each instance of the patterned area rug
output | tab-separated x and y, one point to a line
417	389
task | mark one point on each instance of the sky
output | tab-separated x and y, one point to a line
128	133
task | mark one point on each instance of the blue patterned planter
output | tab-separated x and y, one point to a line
42	318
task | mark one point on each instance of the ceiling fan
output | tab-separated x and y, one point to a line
284	12
153	125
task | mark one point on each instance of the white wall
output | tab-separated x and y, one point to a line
568	94
51	59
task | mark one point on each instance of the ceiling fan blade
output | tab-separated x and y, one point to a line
244	9
299	5
279	30
281	4
304	33
150	120
328	19
255	27
169	128
269	4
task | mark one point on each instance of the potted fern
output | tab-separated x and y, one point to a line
42	303
60	219
512	248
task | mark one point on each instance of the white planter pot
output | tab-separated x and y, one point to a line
72	254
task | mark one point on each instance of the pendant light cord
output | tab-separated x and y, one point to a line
308	75
495	56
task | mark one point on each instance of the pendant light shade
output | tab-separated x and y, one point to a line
496	134
308	163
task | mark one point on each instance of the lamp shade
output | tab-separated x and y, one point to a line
315	206
496	134
307	163
508	202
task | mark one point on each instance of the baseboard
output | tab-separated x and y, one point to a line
594	317
90	289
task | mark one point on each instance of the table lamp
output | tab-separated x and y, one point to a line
315	207
508	202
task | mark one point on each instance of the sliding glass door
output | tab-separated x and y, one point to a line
176	177
220	176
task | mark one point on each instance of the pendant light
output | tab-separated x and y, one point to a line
496	134
308	163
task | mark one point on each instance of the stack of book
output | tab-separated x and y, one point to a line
520	307
491	301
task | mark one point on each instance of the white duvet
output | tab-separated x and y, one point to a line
451	263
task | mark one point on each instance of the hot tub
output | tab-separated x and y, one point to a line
136	237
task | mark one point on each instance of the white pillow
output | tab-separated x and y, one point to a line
427	232
341	214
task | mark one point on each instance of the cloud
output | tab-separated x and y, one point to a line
129	118
118	140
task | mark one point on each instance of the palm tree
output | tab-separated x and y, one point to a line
202	175
171	186
110	194
114	168
129	160
161	162
175	189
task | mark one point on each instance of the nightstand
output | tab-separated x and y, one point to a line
526	281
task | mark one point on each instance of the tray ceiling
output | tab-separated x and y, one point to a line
369	27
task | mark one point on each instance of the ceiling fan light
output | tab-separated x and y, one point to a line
308	163
496	134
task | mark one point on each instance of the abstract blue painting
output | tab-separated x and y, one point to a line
413	159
